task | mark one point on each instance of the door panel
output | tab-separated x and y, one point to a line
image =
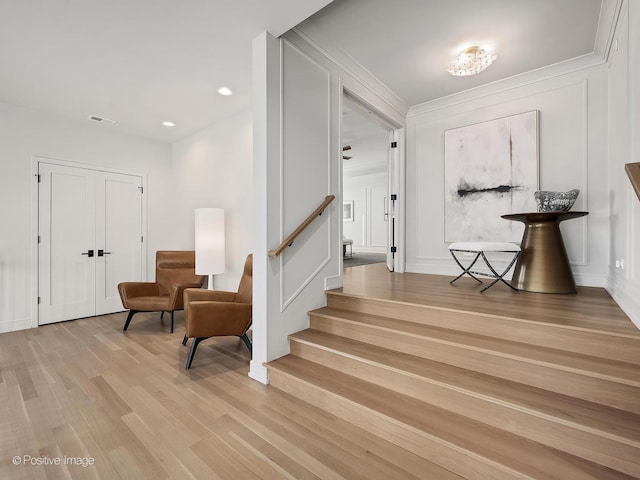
118	236
82	210
67	234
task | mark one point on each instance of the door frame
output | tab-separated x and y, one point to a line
399	134
36	160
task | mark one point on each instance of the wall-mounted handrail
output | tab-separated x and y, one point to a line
289	240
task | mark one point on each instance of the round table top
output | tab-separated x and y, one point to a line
544	216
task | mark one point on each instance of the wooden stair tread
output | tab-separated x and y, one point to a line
612	326
477	439
590	319
624	347
352	438
612	370
594	307
621	425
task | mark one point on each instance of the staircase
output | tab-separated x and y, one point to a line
483	395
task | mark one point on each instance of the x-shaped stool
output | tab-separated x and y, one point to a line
479	249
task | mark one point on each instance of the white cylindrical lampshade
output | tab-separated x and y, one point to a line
210	253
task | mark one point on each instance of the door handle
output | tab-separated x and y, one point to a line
102	253
88	253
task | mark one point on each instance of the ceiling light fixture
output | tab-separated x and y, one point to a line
169	124
224	91
99	119
470	61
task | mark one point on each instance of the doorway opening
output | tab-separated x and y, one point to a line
370	160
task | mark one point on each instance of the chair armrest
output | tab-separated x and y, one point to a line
137	289
176	294
210	319
200	294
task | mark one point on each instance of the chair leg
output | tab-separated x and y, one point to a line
185	340
161	315
247	342
126	324
172	321
192	352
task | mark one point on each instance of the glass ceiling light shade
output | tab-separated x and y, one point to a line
471	61
210	245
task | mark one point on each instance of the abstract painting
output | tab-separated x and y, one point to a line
490	169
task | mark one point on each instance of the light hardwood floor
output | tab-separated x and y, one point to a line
87	390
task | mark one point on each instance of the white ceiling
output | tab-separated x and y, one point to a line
141	62
409	44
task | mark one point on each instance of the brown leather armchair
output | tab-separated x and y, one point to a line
175	271
215	313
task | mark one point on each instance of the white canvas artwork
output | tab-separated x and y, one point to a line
490	169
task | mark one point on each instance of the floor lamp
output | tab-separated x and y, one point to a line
210	251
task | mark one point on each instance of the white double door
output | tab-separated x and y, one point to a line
90	239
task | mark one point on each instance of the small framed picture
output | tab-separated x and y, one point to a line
347	211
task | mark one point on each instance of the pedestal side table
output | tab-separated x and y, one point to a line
543	265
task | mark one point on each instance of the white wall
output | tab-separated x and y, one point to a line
369	228
297	101
624	147
213	168
26	133
572	150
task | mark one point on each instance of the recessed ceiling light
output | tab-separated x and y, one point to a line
224	91
99	119
169	124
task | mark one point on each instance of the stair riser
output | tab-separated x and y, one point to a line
605	391
592	445
413	440
603	345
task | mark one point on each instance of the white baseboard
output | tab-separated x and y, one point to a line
590	280
432	269
359	249
258	372
15	325
583	280
333	282
626	296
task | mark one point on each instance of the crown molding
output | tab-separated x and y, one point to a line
607	25
544	73
314	37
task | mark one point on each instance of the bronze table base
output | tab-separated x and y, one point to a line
543	265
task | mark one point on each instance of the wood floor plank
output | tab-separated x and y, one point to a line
285	464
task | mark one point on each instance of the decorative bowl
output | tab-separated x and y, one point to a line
555	201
